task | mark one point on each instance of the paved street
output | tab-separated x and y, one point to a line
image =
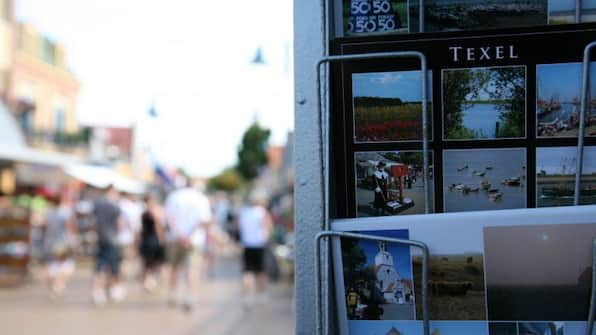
28	310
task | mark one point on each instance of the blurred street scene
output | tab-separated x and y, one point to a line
130	205
219	311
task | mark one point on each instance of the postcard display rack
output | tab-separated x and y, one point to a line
451	197
14	246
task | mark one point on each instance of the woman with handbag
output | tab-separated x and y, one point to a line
60	236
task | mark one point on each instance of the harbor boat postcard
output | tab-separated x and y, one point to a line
555	176
558	100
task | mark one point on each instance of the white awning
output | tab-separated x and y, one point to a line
102	177
34	156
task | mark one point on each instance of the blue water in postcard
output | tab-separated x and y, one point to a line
470	167
482	119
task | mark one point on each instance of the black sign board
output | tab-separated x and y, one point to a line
498	99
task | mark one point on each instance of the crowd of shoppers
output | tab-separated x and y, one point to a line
173	237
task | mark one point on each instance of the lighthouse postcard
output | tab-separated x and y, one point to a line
378	278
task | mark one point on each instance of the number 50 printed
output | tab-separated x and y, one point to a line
365	17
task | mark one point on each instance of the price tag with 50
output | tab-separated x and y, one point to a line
365	7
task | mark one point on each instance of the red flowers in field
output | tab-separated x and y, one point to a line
389	131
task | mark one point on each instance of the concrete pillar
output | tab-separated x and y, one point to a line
308	49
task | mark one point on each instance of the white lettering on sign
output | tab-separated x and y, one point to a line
456	51
485	54
512	53
370	16
471	54
499	52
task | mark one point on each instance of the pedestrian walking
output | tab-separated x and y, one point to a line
131	211
152	239
108	256
255	225
188	213
59	245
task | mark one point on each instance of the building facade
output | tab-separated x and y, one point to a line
6	44
37	85
42	90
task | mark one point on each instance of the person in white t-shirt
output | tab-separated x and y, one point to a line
187	213
254	225
130	217
131	210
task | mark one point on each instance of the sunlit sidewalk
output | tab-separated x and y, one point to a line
219	309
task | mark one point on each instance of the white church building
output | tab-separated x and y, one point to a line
388	280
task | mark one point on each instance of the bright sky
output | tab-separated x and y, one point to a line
563	80
191	59
560	5
551	159
405	85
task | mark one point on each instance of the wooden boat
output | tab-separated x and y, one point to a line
546	107
471	189
459	187
511	181
495	194
463	188
549	124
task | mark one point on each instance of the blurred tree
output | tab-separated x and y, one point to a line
353	261
252	154
460	88
510	95
228	180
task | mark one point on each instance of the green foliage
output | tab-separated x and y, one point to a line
472	269
510	82
72	139
401	9
228	180
460	133
459	87
374	113
252	154
353	258
506	90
